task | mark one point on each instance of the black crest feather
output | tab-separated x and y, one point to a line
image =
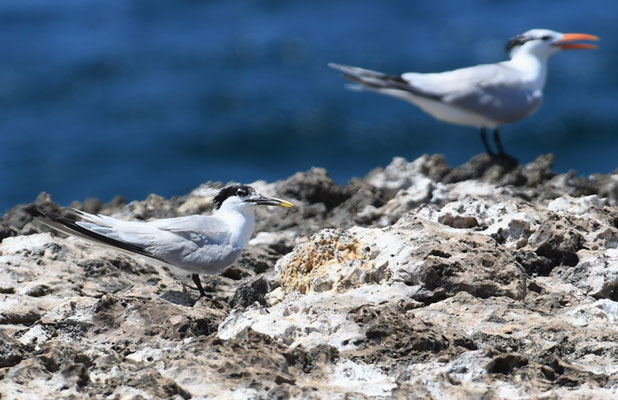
229	191
517	41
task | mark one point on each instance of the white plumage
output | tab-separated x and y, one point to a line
484	96
197	243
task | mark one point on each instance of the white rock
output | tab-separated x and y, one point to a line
399	174
146	355
35	335
610	308
314	319
353	377
576	205
15	244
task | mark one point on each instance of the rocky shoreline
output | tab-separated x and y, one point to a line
416	281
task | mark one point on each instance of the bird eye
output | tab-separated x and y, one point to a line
546	38
242	192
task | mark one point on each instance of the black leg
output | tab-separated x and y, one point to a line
196	279
498	142
506	160
485	143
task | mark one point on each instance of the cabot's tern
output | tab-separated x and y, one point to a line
485	96
196	243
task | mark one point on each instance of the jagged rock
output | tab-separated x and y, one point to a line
314	186
251	292
489	280
401	175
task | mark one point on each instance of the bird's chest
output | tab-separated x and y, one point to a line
240	228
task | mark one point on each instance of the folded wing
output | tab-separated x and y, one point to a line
194	242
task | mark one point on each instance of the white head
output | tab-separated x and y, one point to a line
543	42
243	198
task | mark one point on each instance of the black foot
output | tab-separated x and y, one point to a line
501	157
505	160
196	280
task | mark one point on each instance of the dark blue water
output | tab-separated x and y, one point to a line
107	97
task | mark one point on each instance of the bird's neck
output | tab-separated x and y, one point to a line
533	68
240	223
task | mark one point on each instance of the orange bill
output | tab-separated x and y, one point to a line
566	43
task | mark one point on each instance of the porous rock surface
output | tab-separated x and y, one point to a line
417	281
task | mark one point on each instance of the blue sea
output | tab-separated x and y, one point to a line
131	97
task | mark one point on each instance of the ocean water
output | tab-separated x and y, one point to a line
131	97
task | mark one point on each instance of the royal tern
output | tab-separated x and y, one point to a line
485	96
196	243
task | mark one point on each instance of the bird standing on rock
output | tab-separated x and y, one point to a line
485	96
196	243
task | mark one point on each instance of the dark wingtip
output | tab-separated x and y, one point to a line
54	213
67	223
35	211
354	79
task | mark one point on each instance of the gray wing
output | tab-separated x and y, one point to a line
495	91
197	243
209	229
205	246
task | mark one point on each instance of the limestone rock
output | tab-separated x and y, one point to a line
488	280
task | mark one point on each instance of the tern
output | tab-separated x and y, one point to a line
197	243
485	96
